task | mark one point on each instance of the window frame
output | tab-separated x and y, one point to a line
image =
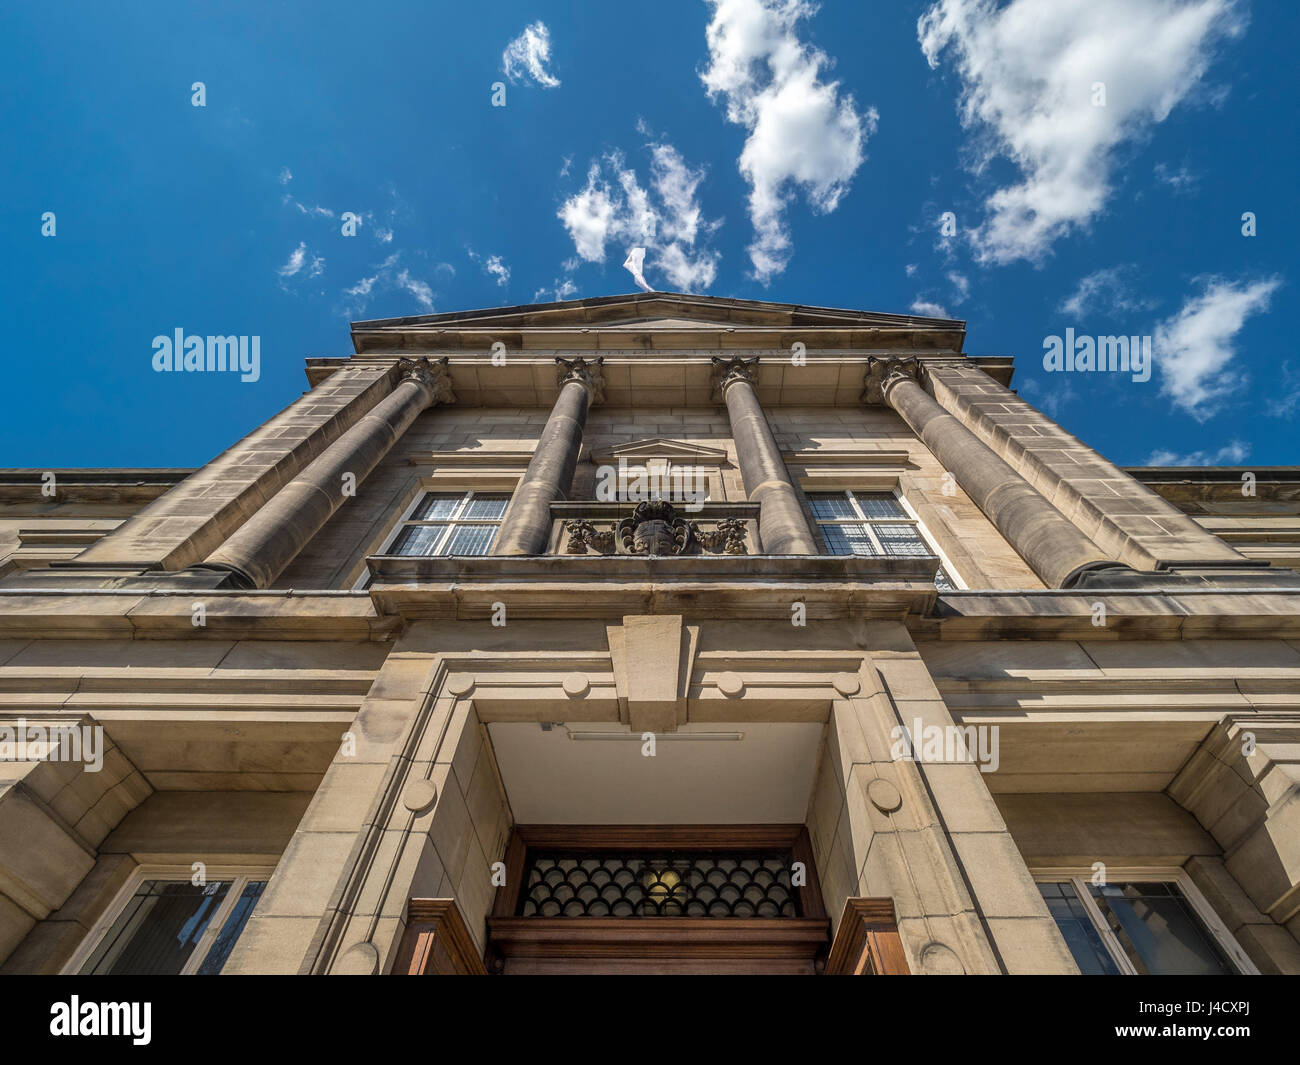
239	875
1080	879
910	518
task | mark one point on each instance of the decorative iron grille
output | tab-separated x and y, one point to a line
675	884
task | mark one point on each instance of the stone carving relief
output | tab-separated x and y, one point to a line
655	528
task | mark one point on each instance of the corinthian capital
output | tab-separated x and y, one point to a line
730	371
883	371
586	372
434	375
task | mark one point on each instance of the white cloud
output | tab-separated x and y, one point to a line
1194	348
387	276
666	219
498	269
910	269
927	309
1231	454
527	55
1028	71
286	175
961	285
1109	291
299	263
563	290
493	265
802	134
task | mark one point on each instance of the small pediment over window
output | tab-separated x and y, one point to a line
676	451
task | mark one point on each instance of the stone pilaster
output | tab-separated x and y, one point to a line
781	523
887	822
1050	543
260	550
527	524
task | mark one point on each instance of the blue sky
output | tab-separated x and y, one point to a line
760	149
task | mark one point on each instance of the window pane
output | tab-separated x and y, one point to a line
880	505
900	539
830	505
158	930
1159	930
470	540
1081	935
943	582
486	507
436	505
418	539
847	540
225	941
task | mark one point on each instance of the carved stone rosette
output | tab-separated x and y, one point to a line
586	371
432	374
881	370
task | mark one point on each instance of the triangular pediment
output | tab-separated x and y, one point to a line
661	448
653	311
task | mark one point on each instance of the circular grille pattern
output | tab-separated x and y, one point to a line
660	885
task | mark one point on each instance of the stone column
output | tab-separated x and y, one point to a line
527	524
1046	539
781	523
259	551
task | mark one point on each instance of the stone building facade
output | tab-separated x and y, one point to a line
651	633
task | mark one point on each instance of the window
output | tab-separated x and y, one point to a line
871	523
165	925
1146	925
447	523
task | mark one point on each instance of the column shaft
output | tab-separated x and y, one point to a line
1050	543
527	524
781	523
265	544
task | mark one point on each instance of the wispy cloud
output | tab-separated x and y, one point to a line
1194	348
664	219
1231	454
803	135
525	57
302	263
1111	290
563	289
286	175
1181	180
1030	73
390	275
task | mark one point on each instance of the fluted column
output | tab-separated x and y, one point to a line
781	523
1051	545
265	544
527	524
